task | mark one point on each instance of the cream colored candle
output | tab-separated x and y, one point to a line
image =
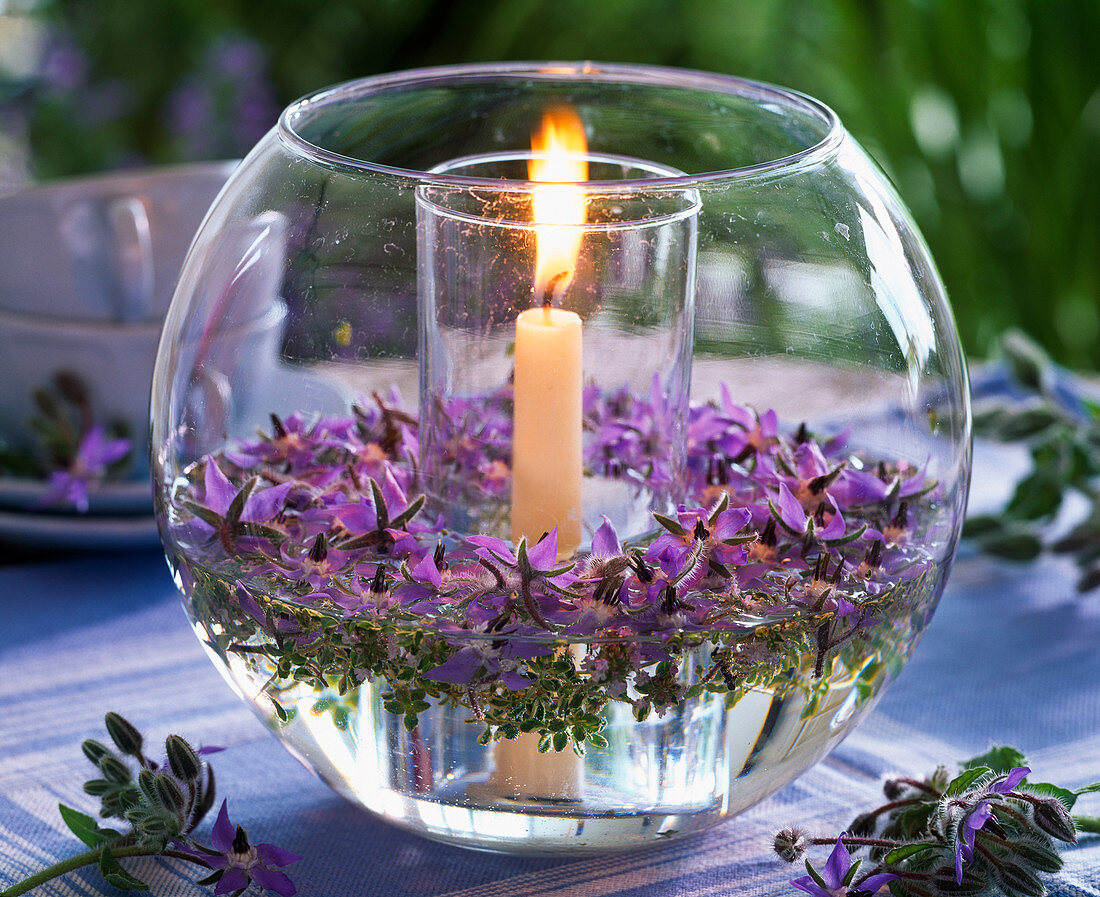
522	773
547	466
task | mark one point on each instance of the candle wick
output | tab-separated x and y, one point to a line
551	288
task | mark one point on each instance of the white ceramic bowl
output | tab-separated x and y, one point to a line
89	268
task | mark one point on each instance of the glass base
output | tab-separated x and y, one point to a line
657	780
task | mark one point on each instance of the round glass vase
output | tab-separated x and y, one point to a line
572	555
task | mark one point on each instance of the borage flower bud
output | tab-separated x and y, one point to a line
1015	879
1053	818
98	787
123	734
944	881
94	751
790	844
147	785
114	770
182	759
1037	855
863	825
892	788
169	793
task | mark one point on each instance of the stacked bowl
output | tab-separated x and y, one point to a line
90	265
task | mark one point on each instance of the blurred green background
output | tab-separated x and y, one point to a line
986	113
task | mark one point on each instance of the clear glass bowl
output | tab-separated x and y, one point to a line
559	457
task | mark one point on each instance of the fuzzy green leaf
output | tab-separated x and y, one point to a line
1044	789
999	758
86	828
1090	824
898	854
115	875
236	507
965	779
1012	546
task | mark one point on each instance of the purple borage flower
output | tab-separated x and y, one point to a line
293	442
697	538
826	525
339	525
837	879
237	864
94	455
977	819
260	506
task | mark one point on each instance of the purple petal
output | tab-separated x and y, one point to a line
605	542
209	749
66	489
837	866
115	450
267	503
493	544
978	817
731	522
90	450
460	669
769	424
790	510
232	880
544	554
809	462
273	855
219	492
807	884
834	529
912	485
273	880
1015	776
737	413
221	835
857	487
426	571
357	518
873	882
844	607
393	494
249	604
514	680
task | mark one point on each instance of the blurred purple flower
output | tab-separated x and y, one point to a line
95	454
226	104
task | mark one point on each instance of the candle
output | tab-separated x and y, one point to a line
546	446
547	467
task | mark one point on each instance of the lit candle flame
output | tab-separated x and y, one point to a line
560	159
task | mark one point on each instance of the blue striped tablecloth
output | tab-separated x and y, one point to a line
1013	656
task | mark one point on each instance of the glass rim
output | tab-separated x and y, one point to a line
692	202
621	73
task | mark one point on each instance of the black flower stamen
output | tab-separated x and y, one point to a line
318	551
